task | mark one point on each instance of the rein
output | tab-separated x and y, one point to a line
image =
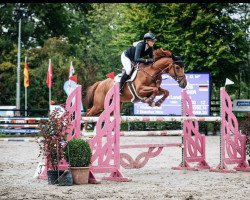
162	71
141	69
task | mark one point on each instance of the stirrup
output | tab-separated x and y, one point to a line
121	91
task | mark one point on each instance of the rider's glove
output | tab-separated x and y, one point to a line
150	60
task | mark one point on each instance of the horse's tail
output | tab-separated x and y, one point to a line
90	95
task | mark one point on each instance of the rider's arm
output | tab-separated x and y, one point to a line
138	49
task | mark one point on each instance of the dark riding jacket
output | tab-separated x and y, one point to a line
137	53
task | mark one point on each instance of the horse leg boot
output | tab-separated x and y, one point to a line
122	81
165	95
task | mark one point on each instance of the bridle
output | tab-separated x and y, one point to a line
162	71
176	77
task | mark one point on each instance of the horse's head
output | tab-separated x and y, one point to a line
171	64
176	71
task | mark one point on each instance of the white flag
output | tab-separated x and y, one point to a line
71	70
228	82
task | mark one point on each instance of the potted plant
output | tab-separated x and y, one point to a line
78	155
53	132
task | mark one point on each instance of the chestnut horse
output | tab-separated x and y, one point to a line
146	83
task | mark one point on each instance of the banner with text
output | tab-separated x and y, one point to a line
198	88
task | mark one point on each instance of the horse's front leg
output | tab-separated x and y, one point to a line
165	94
145	90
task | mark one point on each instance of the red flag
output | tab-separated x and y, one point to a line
26	75
111	75
49	75
73	78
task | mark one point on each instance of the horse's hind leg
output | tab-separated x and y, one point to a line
91	112
86	125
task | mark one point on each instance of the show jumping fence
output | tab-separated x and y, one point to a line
106	155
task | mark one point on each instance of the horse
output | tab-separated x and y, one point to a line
146	83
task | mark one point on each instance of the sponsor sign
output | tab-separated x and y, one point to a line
241	105
198	88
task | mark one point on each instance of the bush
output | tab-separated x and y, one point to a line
53	132
78	153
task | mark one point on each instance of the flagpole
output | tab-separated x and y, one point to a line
26	94
26	107
49	87
49	98
71	66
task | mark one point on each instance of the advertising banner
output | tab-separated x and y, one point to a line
198	88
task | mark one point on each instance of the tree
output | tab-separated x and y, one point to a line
42	21
211	37
205	35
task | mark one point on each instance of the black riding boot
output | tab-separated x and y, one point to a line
122	81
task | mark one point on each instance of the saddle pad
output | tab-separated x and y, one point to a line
118	77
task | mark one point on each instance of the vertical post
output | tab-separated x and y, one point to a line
25	107
26	102
221	129
49	98
49	88
117	128
183	131
18	70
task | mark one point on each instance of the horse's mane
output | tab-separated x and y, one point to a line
160	53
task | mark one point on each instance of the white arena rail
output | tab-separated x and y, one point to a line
157	119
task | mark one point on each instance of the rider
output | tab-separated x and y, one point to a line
135	54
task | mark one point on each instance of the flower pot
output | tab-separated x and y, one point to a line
65	179
53	176
80	175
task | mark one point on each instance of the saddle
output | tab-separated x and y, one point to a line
136	98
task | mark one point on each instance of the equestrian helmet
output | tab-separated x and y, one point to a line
149	36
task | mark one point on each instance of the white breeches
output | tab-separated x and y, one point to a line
126	62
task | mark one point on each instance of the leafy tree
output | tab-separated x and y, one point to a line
41	22
211	37
206	35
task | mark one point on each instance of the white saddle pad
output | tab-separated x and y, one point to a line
118	77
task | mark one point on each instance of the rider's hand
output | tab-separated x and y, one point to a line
150	60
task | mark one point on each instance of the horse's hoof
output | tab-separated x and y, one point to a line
152	104
157	104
